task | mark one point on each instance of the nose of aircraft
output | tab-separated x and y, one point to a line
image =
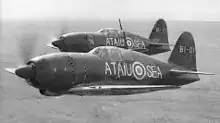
53	44
56	43
26	72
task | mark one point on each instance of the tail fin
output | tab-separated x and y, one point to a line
184	52
159	32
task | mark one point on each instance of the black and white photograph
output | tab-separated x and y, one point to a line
109	61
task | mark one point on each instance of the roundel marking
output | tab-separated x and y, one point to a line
129	42
139	70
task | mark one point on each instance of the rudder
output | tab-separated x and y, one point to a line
159	32
184	52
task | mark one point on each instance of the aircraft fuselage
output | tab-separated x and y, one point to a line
63	71
85	41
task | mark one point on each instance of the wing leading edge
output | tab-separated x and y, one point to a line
118	89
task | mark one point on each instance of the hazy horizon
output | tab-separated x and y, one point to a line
197	10
100	20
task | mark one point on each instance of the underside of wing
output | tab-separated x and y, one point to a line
118	89
175	71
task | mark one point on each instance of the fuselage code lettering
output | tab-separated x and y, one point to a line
119	42
135	69
187	49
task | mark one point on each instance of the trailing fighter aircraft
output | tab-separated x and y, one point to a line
109	70
86	41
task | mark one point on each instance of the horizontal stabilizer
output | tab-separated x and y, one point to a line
10	70
189	72
161	44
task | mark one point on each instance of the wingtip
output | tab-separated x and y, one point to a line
10	70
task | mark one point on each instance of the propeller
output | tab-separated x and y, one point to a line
56	36
27	42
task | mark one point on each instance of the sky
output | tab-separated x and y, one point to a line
208	10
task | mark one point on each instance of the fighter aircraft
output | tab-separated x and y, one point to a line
109	70
85	41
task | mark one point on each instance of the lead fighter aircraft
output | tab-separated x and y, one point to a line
108	70
86	41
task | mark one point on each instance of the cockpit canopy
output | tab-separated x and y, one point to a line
112	53
108	30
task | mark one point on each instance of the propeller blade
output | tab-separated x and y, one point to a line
52	46
27	42
63	30
11	70
57	36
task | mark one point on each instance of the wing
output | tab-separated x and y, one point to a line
118	89
175	71
142	50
